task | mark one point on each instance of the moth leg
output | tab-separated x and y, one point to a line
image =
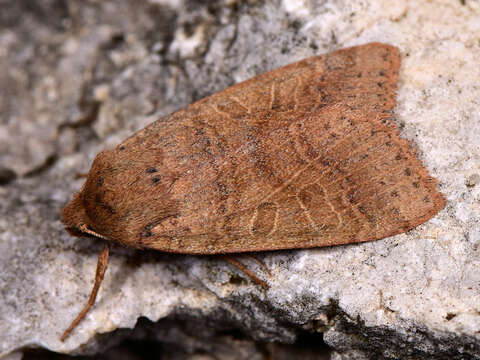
262	264
246	271
100	272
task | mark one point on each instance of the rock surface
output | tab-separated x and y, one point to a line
78	77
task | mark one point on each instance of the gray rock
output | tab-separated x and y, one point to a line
80	77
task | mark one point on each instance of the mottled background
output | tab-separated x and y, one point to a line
79	76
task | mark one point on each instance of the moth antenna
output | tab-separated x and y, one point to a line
86	230
246	271
100	272
262	264
80	175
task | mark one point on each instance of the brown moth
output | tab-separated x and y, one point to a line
306	155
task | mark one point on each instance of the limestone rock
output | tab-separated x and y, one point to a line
80	78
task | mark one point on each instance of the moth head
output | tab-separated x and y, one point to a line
127	189
75	219
87	213
82	216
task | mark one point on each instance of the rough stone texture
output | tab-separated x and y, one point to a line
79	76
